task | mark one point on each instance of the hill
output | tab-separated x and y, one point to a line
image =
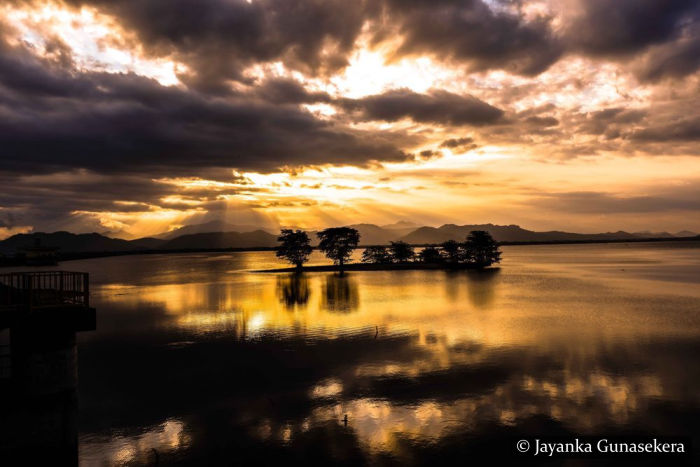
371	234
212	226
67	242
75	243
257	238
504	233
147	243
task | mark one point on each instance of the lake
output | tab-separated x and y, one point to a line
199	360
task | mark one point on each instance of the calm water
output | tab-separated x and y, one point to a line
199	360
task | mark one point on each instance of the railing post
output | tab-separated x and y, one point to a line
30	290
86	292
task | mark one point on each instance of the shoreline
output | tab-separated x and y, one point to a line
382	267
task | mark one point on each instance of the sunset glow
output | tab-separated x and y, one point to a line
378	122
349	232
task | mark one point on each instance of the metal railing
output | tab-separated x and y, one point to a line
44	288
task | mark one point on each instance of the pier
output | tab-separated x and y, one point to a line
40	314
46	299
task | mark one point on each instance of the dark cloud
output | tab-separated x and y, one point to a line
219	38
66	200
617	114
672	60
687	129
453	143
680	199
609	121
429	154
616	27
434	107
471	32
54	119
664	34
542	121
50	201
285	91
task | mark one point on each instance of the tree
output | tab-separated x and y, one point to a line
295	247
401	252
452	251
338	243
430	254
481	249
376	255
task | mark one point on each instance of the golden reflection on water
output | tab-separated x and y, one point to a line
550	323
125	449
442	309
380	423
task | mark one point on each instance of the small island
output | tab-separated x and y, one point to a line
478	251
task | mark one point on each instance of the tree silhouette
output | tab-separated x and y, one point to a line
452	251
401	252
430	255
481	249
340	294
293	290
376	255
338	243
295	247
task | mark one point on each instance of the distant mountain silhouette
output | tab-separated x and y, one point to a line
401	225
257	238
206	227
76	243
371	234
147	243
649	234
504	233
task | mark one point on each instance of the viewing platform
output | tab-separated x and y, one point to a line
46	299
40	314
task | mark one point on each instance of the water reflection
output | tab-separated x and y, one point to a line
217	371
341	294
293	289
39	400
144	448
481	287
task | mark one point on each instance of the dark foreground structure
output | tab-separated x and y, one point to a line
41	312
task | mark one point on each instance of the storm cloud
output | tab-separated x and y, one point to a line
433	107
614	27
55	120
473	33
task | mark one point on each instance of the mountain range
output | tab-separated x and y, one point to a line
201	236
211	226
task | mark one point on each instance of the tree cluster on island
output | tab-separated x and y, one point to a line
479	250
337	243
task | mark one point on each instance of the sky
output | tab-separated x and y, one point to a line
137	117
